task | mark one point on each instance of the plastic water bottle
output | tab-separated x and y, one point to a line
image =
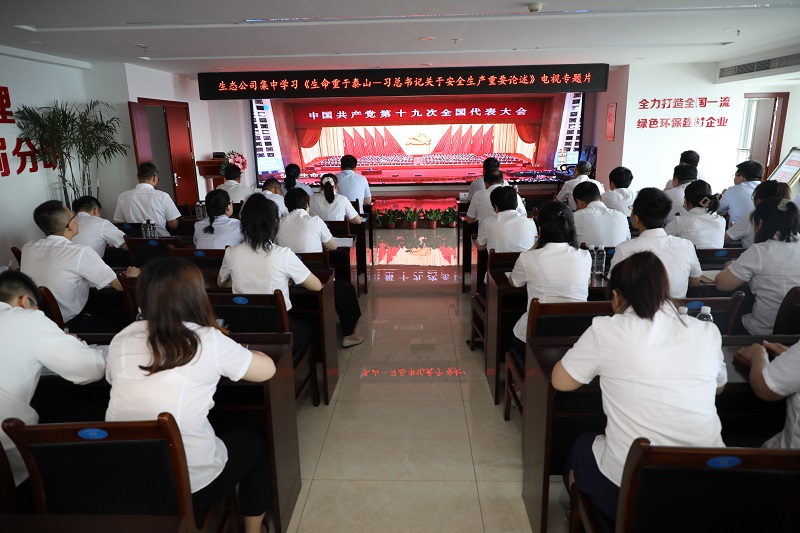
149	230
200	209
705	314
683	310
600	260
591	253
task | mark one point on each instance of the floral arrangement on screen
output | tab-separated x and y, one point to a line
233	158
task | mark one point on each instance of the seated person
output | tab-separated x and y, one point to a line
594	222
93	230
219	230
233	184
556	270
480	206
329	205
303	233
621	196
272	190
682	176
700	224
353	186
775	381
738	200
172	362
771	266
489	164
507	231
292	180
145	203
68	269
32	342
581	173
258	266
650	211
659	374
743	230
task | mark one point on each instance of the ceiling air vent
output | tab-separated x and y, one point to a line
760	66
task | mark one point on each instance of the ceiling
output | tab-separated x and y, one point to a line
190	36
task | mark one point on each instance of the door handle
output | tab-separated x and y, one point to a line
175	178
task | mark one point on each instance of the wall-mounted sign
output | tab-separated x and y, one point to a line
695	112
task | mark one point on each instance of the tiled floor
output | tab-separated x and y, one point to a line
396	452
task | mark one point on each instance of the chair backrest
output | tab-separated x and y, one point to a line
564	319
501	260
142	250
316	260
356	206
788	320
129	296
50	307
709	489
108	468
186	227
715	258
8	490
237	207
339	228
134	229
251	313
723	309
201	258
17	253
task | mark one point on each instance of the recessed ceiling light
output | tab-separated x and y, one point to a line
427	38
427	64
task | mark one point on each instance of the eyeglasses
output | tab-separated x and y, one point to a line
70	220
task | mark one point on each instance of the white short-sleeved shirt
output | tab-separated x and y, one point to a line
339	209
145	202
620	199
31	341
237	191
738	200
301	232
599	225
478	185
743	231
677	254
481	205
96	233
782	376
227	232
565	194
298	185
67	269
507	231
677	195
658	380
771	268
353	187
556	273
262	272
186	391
704	229
278	199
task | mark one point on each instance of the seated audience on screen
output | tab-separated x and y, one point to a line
737	201
93	230
233	184
218	230
581	174
329	205
700	224
621	196
507	230
743	230
595	223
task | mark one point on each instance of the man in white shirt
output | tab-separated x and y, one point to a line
621	196
650	210
489	164
272	190
233	184
68	269
691	158
738	200
353	186
300	231
93	230
507	230
594	222
31	342
682	176
581	173
481	205
144	202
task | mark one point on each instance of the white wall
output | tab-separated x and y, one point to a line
232	129
609	153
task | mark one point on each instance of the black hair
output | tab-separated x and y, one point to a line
232	172
586	191
349	162
259	222
52	217
145	171
85	203
698	194
684	173
771	189
490	163
270	182
504	198
642	282
493	177
652	206
583	167
556	224
296	199
621	177
328	187
779	220
750	170
292	172
217	202
14	284
690	157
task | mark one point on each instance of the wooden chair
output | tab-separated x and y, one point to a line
8	490
788	320
549	320
666	489
494	260
723	309
133	229
106	473
17	253
142	250
129	296
186	227
316	260
237	207
50	307
715	258
202	258
340	228
266	313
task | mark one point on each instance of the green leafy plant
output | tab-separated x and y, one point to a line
433	214
449	216
390	217
411	214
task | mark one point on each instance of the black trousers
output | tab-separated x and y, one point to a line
346	305
300	326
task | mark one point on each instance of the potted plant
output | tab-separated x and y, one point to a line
433	216
378	217
390	218
411	215
449	217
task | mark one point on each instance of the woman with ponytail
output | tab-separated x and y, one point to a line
328	204
701	224
291	180
218	231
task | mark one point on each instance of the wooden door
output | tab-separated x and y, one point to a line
182	154
767	128
142	148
